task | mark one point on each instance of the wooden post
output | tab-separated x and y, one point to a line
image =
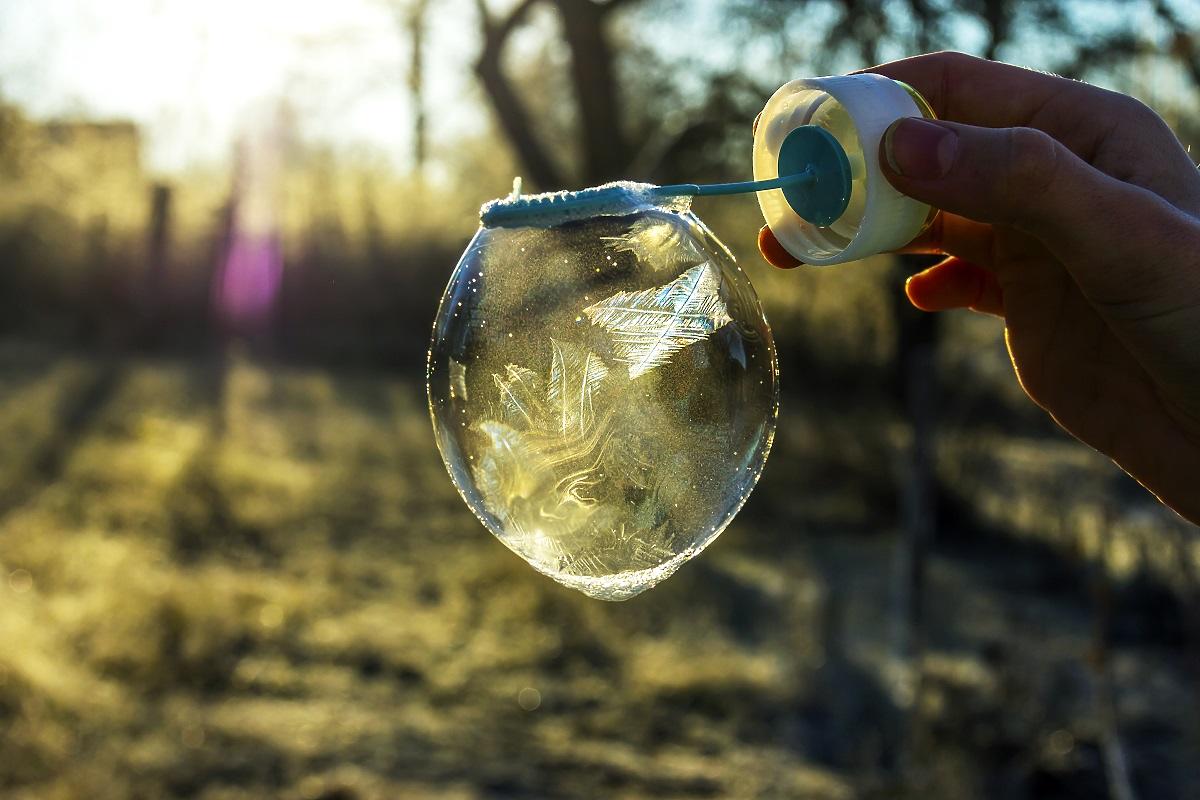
160	220
415	24
152	295
915	385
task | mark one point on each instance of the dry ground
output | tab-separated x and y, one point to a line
229	579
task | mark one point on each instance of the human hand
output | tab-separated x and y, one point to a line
1073	213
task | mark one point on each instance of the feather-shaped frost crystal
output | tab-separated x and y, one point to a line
659	244
649	326
520	395
566	405
575	377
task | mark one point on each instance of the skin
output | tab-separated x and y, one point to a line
1073	214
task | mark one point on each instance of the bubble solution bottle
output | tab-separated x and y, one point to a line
860	214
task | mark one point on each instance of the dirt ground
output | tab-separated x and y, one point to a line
234	579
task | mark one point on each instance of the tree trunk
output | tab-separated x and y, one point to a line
997	15
415	24
510	112
915	386
605	150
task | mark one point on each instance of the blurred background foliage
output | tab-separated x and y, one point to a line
231	564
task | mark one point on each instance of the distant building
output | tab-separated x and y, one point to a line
110	146
82	169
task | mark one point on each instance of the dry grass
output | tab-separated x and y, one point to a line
224	580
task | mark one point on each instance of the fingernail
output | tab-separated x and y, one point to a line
773	251
918	148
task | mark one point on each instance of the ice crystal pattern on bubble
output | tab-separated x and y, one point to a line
566	407
575	377
659	244
598	424
649	326
555	440
549	434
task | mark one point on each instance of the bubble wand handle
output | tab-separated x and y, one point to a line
549	209
813	179
806	175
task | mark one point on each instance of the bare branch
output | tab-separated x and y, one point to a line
613	5
501	30
1183	41
514	119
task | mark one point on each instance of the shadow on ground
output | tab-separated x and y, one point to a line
223	579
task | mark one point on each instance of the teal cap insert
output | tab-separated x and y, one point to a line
824	198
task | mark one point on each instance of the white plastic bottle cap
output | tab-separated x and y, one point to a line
856	110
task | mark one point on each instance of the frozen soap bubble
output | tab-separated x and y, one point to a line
603	391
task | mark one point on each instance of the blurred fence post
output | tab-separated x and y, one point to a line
1104	692
415	23
222	245
152	294
98	279
916	388
160	216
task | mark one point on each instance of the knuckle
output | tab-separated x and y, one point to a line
952	69
954	58
1144	118
1133	108
1132	113
1033	161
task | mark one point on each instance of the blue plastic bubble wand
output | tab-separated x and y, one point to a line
814	174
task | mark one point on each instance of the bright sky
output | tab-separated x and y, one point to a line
193	73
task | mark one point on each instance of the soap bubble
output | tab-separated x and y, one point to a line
604	392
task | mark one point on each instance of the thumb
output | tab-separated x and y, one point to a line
1010	176
1104	230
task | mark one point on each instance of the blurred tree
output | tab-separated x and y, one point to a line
14	136
857	33
630	117
605	150
1183	40
411	18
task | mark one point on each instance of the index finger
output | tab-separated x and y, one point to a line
975	91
